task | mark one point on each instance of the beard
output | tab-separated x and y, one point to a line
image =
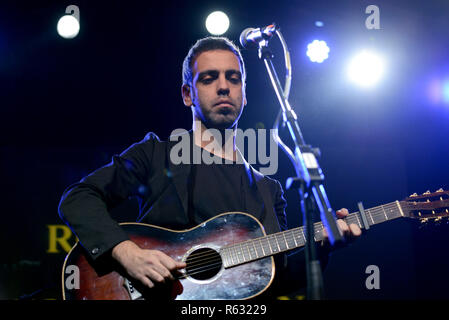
220	118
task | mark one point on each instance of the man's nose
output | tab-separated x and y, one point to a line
223	86
223	92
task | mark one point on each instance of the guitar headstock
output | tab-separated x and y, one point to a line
427	207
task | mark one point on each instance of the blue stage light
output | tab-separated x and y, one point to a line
317	51
446	91
366	69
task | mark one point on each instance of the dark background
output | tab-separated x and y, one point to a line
68	105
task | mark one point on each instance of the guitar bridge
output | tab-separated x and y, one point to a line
134	294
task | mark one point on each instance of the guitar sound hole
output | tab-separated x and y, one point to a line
203	264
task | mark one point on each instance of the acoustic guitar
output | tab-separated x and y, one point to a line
227	257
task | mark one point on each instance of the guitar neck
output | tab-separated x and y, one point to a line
272	244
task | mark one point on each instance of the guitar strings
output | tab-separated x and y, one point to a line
202	261
201	258
200	270
289	234
209	264
372	213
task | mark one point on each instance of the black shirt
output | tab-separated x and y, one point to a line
218	187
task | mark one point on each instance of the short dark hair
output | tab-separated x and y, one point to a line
208	44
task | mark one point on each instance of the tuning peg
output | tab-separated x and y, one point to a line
440	190
427	192
413	195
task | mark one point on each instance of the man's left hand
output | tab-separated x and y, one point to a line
350	232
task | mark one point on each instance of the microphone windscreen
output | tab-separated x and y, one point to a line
244	35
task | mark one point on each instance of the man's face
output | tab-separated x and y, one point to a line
217	94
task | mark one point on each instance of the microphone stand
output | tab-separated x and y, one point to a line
308	180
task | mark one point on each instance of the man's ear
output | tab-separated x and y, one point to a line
186	95
244	97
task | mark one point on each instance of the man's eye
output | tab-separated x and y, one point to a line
207	80
235	80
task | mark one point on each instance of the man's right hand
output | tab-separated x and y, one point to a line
147	266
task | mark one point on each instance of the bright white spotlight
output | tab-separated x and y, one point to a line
317	51
217	23
68	27
366	69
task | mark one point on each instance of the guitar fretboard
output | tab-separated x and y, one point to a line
272	244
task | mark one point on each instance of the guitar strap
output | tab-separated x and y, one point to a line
271	222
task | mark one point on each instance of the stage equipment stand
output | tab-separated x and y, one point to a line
309	177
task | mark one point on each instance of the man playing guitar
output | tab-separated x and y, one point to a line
182	196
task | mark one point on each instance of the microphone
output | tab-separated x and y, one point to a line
251	37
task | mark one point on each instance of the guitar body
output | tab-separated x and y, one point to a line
207	278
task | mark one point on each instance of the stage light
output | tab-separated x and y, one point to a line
366	69
317	51
217	23
434	91
68	27
446	91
